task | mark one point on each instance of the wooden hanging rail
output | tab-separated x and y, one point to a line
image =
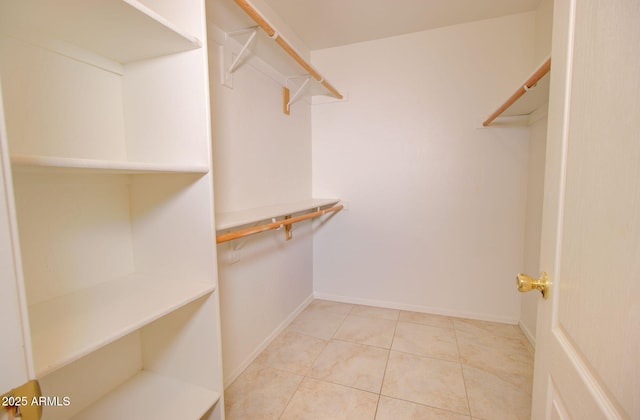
257	17
531	81
274	225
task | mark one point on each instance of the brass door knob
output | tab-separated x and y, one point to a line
527	283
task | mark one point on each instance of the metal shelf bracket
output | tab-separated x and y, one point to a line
226	74
287	100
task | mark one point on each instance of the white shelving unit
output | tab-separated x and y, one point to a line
108	129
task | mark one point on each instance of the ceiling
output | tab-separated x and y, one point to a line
330	23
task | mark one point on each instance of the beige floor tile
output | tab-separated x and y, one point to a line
292	351
427	319
364	330
373	312
317	323
492	340
329	306
344	352
494	353
432	382
260	393
426	340
501	396
318	400
485	328
392	409
355	365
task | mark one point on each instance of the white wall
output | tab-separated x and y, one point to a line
261	157
535	194
533	229
436	206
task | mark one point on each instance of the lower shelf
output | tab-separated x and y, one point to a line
244	217
69	327
151	396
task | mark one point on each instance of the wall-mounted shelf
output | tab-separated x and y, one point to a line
285	58
240	218
273	33
532	94
305	210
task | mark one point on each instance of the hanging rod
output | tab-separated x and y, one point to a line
257	17
274	225
531	82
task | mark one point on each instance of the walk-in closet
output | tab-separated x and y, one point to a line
292	209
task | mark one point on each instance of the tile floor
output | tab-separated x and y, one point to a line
340	361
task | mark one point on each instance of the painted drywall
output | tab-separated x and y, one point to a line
544	29
261	157
436	206
535	193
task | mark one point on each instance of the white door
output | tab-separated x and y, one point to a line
588	342
14	368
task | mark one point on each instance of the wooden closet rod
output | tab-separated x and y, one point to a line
257	17
531	81
274	225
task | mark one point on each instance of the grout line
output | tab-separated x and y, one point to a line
306	375
379	394
386	365
291	398
464	381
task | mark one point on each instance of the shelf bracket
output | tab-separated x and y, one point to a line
287	101
227	74
288	229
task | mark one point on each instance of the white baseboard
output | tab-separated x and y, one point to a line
263	345
416	308
527	333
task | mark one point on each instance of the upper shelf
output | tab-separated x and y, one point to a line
285	45
536	88
235	20
36	163
120	30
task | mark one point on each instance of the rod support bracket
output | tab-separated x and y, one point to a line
288	229
227	73
287	99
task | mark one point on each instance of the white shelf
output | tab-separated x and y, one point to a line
267	57
71	326
35	163
121	30
151	396
244	217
